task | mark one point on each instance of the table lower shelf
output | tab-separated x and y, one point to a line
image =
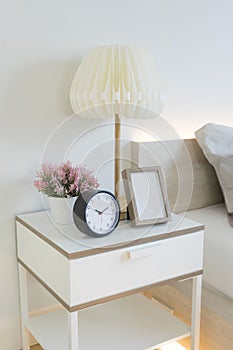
131	323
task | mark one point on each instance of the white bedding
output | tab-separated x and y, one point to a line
218	248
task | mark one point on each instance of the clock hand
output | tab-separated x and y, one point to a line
100	212
104	210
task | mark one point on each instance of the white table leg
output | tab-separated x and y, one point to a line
23	306
72	318
196	312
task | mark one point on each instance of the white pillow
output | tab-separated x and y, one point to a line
216	142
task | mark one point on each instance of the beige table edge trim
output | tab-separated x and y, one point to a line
94	251
108	298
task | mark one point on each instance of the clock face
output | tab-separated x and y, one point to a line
102	213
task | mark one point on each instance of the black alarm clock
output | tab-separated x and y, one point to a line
96	212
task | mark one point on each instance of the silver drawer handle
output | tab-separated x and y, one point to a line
141	252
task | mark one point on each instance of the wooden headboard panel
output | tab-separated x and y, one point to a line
191	180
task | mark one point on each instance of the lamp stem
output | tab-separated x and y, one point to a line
117	155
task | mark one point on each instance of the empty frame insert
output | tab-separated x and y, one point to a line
146	195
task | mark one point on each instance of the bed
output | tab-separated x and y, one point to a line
218	251
194	191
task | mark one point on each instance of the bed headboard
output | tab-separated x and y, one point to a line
191	180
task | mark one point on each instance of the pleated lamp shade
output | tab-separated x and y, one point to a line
116	79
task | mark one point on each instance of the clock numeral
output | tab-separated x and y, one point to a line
108	225
88	207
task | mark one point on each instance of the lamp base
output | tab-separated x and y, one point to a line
123	207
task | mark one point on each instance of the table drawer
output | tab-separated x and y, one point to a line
125	269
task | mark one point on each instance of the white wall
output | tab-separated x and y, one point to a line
41	45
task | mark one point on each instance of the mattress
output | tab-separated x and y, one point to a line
218	247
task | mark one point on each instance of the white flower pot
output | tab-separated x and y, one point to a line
62	209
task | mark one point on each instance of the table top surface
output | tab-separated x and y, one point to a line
73	244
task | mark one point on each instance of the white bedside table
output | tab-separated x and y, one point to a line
98	283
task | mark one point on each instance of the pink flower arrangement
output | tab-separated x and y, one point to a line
64	180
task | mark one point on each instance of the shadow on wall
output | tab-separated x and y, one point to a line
35	102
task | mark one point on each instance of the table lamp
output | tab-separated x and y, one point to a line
116	81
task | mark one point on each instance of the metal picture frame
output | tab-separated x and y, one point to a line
146	195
